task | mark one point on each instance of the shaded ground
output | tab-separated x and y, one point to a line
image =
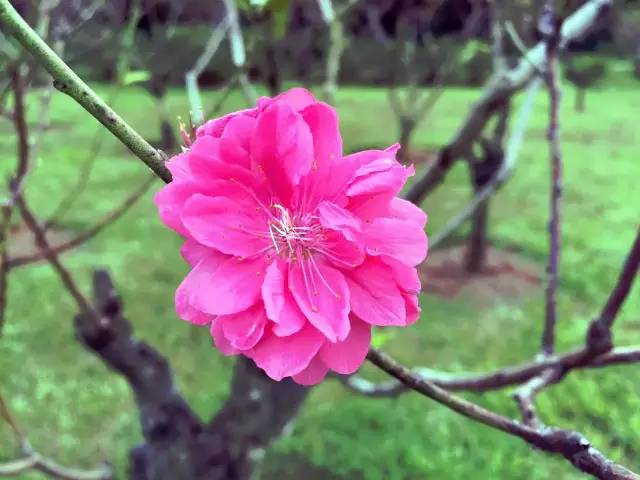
20	241
506	277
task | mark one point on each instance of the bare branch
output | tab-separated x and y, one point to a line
501	176
497	379
499	88
87	235
191	77
553	136
32	460
571	445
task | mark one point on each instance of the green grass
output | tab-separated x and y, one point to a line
78	412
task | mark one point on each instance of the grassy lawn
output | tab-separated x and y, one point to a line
74	410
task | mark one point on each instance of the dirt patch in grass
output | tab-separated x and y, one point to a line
20	239
420	157
506	276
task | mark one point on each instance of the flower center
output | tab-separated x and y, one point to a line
294	237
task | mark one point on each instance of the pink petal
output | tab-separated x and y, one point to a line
413	307
215	127
193	252
221	341
221	223
231	287
346	357
405	210
323	296
336	218
297	98
283	357
320	183
240	129
206	266
313	374
406	277
375	297
279	304
282	149
375	184
402	240
243	330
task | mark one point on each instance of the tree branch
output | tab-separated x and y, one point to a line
499	88
553	136
68	82
87	235
571	445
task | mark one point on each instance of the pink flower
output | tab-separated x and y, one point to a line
295	250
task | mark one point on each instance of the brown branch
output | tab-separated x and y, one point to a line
553	136
87	235
599	335
16	182
32	460
501	87
52	469
525	395
496	379
571	445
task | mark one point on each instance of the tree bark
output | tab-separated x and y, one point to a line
407	126
580	100
177	444
478	239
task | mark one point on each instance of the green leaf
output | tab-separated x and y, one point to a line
136	76
280	15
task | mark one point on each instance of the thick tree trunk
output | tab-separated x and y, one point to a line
177	444
273	79
580	100
406	126
481	173
476	257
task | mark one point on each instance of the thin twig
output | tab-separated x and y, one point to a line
68	82
571	445
191	77
501	176
52	257
553	136
32	460
499	88
499	378
87	235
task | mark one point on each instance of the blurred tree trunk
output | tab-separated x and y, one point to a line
580	100
178	445
482	172
406	126
334	55
158	89
273	78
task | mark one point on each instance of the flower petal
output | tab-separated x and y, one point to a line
346	357
297	98
399	239
323	296
193	252
375	297
222	223
279	304
221	341
220	289
313	374
244	329
208	263
283	357
282	149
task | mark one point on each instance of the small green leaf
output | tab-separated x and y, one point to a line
136	76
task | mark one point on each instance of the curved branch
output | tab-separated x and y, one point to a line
68	82
87	235
573	446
